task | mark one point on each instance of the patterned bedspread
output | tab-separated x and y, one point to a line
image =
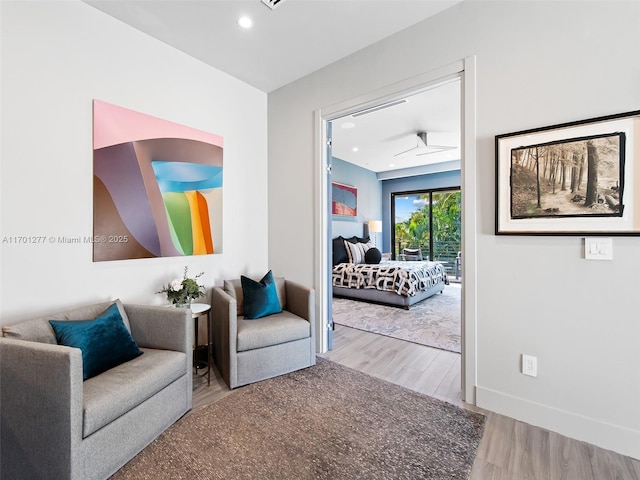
403	278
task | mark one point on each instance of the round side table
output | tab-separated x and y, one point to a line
197	310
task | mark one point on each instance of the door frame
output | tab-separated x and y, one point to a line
466	70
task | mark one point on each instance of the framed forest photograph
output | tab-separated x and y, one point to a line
571	179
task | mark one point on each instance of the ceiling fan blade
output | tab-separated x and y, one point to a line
436	149
442	147
422	138
406	151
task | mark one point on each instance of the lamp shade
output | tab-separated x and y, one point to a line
375	226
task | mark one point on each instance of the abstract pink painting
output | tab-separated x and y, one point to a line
157	187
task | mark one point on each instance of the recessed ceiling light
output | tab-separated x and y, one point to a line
245	22
355	149
347	125
392	165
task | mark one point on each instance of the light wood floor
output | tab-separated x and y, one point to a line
509	450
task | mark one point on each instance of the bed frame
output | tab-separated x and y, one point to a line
386	298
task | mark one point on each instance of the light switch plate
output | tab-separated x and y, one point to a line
598	248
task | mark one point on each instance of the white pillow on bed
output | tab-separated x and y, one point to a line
356	251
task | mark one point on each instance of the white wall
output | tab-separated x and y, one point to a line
56	58
538	64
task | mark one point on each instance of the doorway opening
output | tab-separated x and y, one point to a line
465	69
387	144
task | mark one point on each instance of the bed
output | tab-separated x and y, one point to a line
397	283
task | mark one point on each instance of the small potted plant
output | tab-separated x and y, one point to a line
181	291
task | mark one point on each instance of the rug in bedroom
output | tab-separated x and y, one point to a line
434	322
325	422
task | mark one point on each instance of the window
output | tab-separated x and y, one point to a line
428	220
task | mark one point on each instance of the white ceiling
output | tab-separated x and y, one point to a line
295	39
381	136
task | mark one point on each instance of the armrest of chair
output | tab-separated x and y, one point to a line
163	328
224	319
224	316
41	401
301	300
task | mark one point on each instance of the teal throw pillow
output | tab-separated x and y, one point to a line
260	298
105	341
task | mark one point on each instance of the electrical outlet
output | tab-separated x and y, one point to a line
530	365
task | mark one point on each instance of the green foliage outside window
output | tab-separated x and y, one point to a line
416	232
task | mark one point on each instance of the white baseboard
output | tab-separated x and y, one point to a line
623	440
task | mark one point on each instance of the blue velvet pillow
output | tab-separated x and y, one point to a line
105	341
260	298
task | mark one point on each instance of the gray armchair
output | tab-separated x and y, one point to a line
55	425
247	351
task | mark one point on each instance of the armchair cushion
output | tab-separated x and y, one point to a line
105	341
260	298
273	330
122	388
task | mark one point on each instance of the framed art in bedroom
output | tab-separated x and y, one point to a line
570	179
344	200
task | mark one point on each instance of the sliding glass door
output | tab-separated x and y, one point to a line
429	221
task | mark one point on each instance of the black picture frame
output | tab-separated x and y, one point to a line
577	178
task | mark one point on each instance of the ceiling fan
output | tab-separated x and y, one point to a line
421	144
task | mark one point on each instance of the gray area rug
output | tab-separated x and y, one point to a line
323	422
434	322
